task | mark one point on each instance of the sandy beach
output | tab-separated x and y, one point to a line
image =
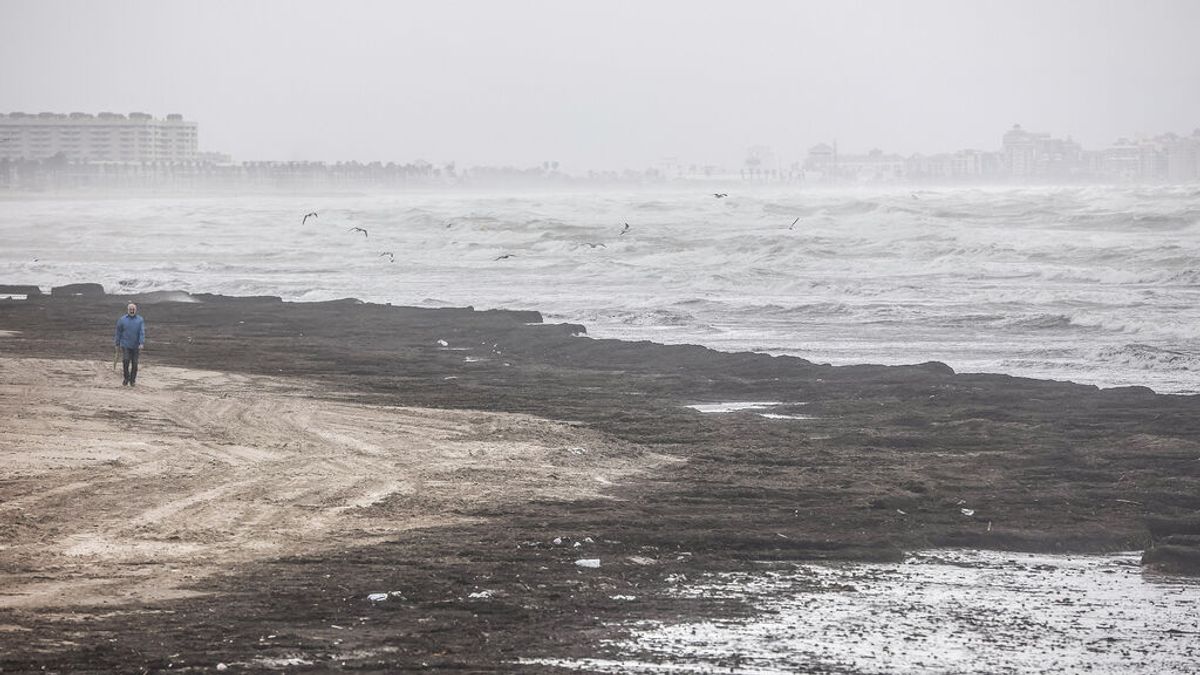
281	464
137	496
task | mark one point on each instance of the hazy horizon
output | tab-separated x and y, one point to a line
609	85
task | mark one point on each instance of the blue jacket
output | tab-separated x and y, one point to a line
131	332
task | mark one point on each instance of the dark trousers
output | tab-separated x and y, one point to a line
129	358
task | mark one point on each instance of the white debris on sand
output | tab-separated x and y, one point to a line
753	406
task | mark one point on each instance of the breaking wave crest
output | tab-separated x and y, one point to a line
1147	357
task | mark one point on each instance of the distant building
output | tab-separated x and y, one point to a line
760	163
873	167
1164	158
1183	158
214	158
1122	160
1028	155
822	158
963	165
824	164
670	167
1020	149
106	137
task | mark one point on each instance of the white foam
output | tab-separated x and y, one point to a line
738	406
733	406
939	612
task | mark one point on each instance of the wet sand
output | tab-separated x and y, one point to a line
279	463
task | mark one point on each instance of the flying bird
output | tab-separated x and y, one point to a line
720	195
307	216
594	244
506	255
358	229
391	258
793	225
624	230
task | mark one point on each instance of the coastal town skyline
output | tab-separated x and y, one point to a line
139	138
610	86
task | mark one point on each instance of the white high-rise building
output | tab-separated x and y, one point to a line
107	137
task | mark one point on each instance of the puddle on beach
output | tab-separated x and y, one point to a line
938	612
755	406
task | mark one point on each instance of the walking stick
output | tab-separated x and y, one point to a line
116	357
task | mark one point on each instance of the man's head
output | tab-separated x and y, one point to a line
132	309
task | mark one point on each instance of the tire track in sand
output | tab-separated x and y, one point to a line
109	494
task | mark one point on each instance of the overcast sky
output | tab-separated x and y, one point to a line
609	84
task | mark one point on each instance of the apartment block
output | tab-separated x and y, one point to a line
106	137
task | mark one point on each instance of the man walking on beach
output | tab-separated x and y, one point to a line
130	337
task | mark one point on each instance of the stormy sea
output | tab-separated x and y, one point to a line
1097	285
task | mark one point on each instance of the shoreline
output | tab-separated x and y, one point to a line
862	462
23	291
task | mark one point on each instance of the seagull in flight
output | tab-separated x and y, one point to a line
720	195
307	216
391	258
595	244
624	230
506	255
358	229
793	225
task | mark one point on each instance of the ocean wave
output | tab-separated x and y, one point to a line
851	207
131	285
1188	277
1149	357
649	317
1123	220
1126	277
787	209
1045	322
773	311
655	206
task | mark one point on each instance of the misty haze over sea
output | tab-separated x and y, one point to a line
556	123
1097	285
764	101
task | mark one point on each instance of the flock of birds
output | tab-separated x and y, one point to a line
590	244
